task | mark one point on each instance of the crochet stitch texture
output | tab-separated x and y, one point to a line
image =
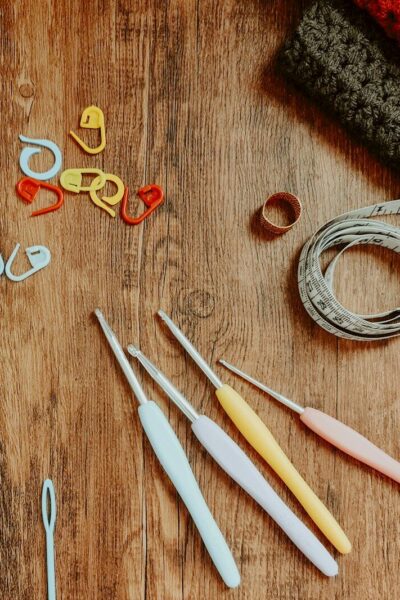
342	59
386	13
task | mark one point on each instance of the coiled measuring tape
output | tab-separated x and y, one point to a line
352	229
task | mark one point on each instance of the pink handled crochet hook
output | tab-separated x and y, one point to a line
333	431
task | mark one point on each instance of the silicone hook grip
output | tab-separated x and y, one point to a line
175	463
351	442
262	440
237	464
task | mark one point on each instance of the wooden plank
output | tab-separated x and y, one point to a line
192	101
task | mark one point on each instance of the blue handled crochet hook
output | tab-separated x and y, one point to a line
175	463
238	465
49	522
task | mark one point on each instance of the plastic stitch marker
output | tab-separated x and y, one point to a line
237	465
71	180
49	522
28	189
92	118
152	195
112	200
262	440
333	431
175	463
1	265
38	256
27	153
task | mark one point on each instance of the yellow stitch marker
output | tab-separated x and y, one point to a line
262	440
92	118
111	200
71	180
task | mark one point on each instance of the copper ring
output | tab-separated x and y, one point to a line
280	197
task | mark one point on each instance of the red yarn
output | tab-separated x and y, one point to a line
386	13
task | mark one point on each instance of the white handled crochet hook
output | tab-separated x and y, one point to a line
175	463
237	465
330	429
259	436
49	522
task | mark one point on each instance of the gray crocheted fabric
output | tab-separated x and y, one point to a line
340	57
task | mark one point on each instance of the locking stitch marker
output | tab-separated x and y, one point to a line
27	153
112	200
28	189
152	195
71	180
38	256
92	118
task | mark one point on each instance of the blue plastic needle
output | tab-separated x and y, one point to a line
49	522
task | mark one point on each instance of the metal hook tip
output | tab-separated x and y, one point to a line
103	322
133	351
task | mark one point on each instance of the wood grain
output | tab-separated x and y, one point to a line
193	102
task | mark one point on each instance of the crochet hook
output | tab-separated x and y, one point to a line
240	468
330	429
175	463
262	440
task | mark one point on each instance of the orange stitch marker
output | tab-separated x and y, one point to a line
28	188
152	195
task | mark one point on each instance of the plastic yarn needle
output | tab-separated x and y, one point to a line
49	521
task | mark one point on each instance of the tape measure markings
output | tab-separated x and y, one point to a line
315	287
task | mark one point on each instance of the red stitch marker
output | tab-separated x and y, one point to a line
152	195
28	189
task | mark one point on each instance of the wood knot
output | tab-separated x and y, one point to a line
26	90
199	303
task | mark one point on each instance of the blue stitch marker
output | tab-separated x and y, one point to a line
38	256
27	153
49	522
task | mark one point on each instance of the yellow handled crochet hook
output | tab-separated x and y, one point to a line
262	440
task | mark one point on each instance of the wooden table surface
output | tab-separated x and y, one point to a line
192	101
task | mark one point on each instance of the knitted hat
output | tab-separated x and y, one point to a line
339	57
386	12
